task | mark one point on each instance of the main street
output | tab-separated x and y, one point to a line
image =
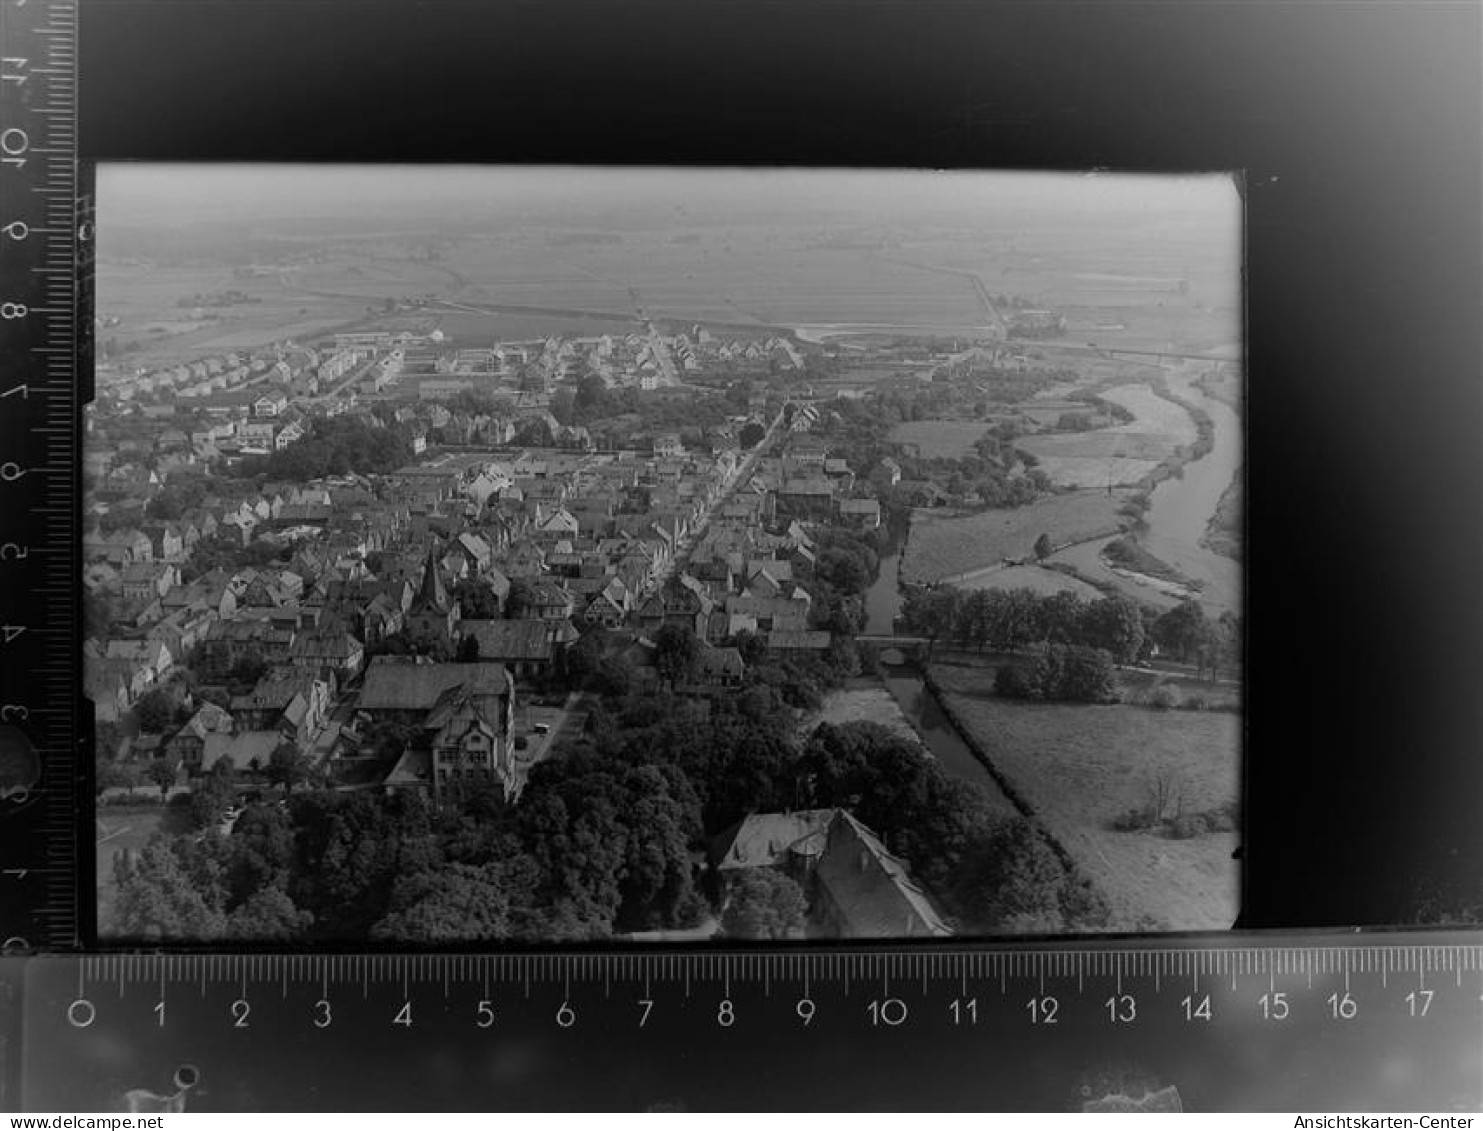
742	474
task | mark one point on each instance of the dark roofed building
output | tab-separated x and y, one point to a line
855	888
527	647
399	688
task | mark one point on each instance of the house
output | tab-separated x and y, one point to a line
401	689
229	643
920	493
270	404
247	752
470	732
667	446
150	657
529	648
328	649
807	498
809	451
887	473
292	702
797	640
188	744
862	514
861	891
549	602
144	581
609	605
719	667
855	888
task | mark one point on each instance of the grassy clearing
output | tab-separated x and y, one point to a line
1123	454
940	548
1082	767
947	439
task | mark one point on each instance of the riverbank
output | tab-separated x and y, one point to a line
1224	533
1137	503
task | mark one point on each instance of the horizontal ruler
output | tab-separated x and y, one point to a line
1355	1022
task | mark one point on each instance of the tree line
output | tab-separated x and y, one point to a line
1014	619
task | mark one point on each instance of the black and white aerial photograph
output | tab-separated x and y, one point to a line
481	554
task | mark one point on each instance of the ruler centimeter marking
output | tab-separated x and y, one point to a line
46	228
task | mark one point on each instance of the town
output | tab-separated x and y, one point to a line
400	632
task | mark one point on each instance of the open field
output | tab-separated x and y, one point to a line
769	275
940	548
1035	578
945	439
1122	454
1079	767
471	329
146	297
1123	280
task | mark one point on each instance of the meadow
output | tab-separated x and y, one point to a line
1122	454
940	439
940	548
1080	767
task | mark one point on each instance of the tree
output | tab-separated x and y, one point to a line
163	773
110	774
751	434
1043	547
751	645
1116	624
288	767
763	904
212	795
1010	879
1071	672
154	710
468	650
157	900
583	658
614	677
1086	675
591	398
458	903
518	599
842	570
1183	629
267	915
676	653
476	600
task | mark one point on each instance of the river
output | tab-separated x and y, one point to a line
1178	511
1180	507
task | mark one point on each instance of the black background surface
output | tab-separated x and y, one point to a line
1357	126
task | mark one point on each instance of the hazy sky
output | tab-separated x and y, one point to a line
138	194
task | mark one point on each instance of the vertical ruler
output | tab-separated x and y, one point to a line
46	235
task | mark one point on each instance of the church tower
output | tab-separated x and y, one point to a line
433	613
